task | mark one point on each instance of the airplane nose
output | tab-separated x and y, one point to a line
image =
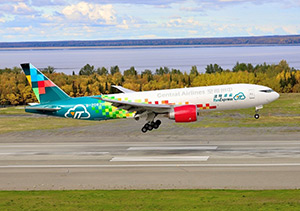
275	96
272	96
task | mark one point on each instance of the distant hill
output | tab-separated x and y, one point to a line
244	41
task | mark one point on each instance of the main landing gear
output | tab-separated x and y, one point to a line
151	125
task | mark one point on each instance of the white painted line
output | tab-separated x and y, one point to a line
18	153
160	158
90	153
175	148
50	153
152	165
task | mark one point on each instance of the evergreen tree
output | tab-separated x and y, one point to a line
130	71
102	71
49	70
194	70
87	70
162	71
114	70
213	68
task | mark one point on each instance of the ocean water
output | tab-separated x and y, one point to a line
68	60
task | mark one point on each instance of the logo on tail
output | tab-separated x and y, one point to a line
44	89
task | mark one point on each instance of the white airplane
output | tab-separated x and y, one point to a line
181	105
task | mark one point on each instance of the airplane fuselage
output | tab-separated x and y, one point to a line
206	98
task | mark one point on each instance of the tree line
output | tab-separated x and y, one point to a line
257	40
15	90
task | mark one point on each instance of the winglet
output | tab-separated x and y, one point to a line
122	89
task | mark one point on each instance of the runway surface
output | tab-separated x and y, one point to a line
117	155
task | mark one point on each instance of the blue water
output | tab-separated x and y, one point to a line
69	60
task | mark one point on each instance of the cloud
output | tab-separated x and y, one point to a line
43	3
100	14
146	2
21	29
11	1
291	29
131	19
204	5
78	112
19	9
182	22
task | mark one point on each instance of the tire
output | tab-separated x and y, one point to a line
150	127
256	116
144	129
155	126
158	122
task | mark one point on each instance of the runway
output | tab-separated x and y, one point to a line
182	158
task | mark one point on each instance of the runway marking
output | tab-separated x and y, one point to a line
152	165
90	153
175	148
161	158
50	153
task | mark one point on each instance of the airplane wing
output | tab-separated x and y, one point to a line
138	107
122	89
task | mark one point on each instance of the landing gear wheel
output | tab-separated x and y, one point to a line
147	126
156	124
256	116
150	127
144	129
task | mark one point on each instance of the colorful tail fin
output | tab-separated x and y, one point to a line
44	89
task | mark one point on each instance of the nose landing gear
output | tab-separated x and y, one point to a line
257	108
151	125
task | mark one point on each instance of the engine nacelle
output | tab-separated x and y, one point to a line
185	113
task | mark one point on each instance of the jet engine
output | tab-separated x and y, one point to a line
185	113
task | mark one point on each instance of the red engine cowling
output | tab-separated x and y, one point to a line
185	113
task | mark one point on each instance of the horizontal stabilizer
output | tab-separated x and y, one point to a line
42	108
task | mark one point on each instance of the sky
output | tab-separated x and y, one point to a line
51	20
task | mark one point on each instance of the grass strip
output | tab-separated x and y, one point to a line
151	200
284	112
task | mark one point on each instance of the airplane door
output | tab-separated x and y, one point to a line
251	94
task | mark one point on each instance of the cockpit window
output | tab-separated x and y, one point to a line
267	90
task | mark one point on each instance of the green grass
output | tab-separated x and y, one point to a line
151	200
12	124
19	110
284	112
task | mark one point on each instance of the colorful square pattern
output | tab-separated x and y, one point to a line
37	81
112	112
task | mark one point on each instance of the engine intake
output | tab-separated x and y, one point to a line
185	113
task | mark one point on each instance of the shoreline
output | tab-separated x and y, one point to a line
143	47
